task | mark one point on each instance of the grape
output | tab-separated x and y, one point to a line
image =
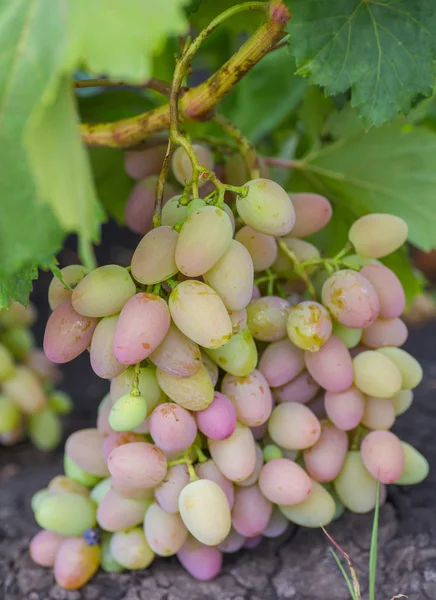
238	319
140	205
301	389
67	514
253	542
389	289
402	401
177	354
60	403
128	412
148	385
266	318
208	228
103	361
153	260
25	390
108	563
202	562
80	475
351	337
17	315
85	448
142	325
137	465
331	366
103	292
142	163
45	430
6	362
235	456
262	247
13	436
172	428
115	439
218	420
235	170
345	409
131	550
173	212
193	393
19	341
238	356
195	204
351	299
75	563
251	397
376	375
385	332
257	467
99	491
277	524
233	542
324	460
409	368
209	470
116	513
317	510
67	334
284	482
293	426
57	292
210	366
379	413
266	208
383	455
281	362
355	487
167	493
232	277
103	412
200	314
271	452
182	167
46	371
416	467
317	406
10	416
165	532
44	547
378	234
303	251
312	213
309	325
255	294
251	511
197	502
62	484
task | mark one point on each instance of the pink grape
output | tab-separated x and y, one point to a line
103	361
57	292
165	532
301	389
251	397
202	562
75	563
233	542
266	318
172	428
104	410
177	354
345	409
293	426
262	247
235	456
253	542
383	455
142	163
209	470
25	390
257	467
259	431
218	420
312	213
281	362
142	325
309	325
255	294
153	260
389	289
324	460
282	481
85	448
138	465
67	333
277	524
378	234
351	299
44	546
117	513
43	368
193	393
141	203
251	511
168	491
317	406
331	366
379	413
118	438
385	332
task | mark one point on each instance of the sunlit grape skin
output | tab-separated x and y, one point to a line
312	213
376	375
75	563
331	366
294	426
284	482
236	455
388	287
165	532
378	234
153	260
262	247
172	427
309	325
218	420
383	455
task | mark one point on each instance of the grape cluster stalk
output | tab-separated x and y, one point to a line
29	403
253	382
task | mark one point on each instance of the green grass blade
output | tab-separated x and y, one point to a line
374	545
344	574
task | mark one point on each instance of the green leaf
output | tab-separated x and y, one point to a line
345	123
390	169
266	95
112	105
18	286
383	50
314	112
245	21
120	41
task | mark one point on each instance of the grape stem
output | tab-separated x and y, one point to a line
135	383
245	147
58	274
299	267
186	460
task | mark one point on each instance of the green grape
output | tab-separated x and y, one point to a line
6	362
60	402
271	451
17	315
66	514
408	366
45	430
416	467
317	510
18	341
99	491
108	562
130	549
64	485
38	497
128	412
195	205
238	356
350	337
378	234
10	416
173	212
75	472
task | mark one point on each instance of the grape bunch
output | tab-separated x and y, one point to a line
253	383
29	404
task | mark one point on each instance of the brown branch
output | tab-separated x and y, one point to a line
198	102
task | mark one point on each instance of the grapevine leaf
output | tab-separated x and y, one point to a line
245	21
18	286
112	105
383	50
390	169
